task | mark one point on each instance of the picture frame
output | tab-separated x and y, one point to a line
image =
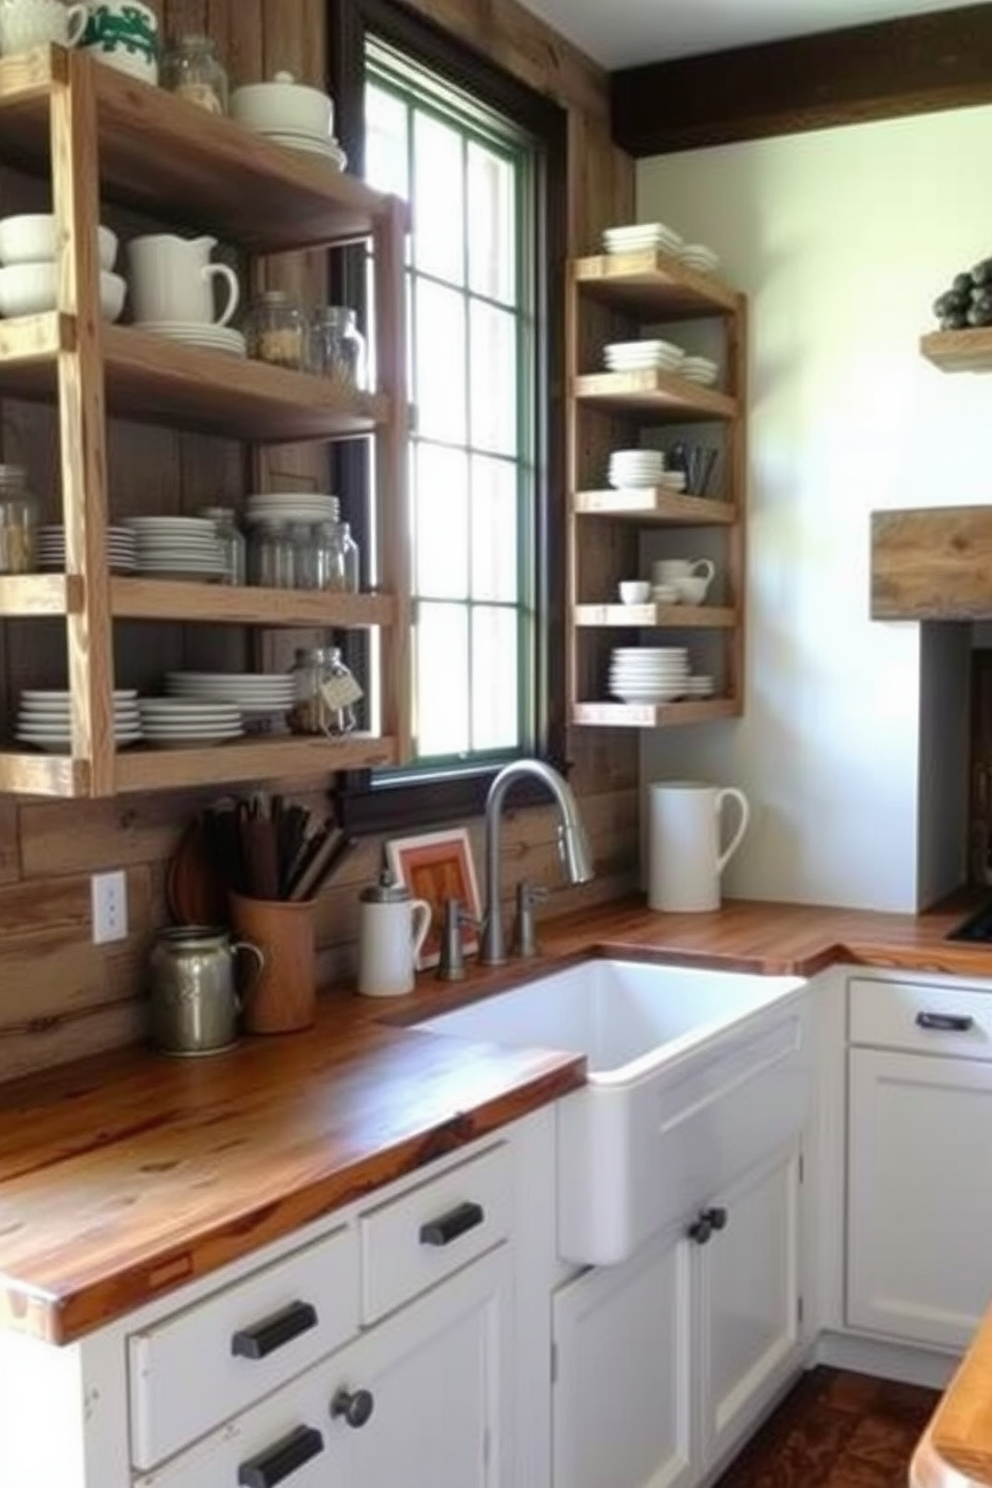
437	866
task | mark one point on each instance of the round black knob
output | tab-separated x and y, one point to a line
355	1405
700	1229
717	1218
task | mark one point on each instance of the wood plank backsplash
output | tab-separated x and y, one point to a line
60	996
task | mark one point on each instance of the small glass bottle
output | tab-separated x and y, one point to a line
18	522
231	539
192	70
276	330
337	346
325	693
330	572
352	560
271	556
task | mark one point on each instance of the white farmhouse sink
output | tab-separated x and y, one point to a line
693	1076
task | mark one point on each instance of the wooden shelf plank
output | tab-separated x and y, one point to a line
959	351
41	594
649	282
43	774
217	175
283	757
654	715
680	616
159	599
32	338
661	395
654	504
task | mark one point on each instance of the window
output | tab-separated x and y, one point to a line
480	159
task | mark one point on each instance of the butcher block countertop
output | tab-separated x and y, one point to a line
956	1448
127	1175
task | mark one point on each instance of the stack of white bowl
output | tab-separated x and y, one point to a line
256	695
178	548
291	114
44	720
642	237
697	256
699	369
649	674
29	276
645	468
642	356
168	723
122	549
308	507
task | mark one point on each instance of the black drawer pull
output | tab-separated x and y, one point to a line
946	1022
272	1332
449	1226
279	1462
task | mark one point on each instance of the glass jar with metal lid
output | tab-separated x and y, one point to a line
325	693
276	330
192	70
18	522
231	539
337	346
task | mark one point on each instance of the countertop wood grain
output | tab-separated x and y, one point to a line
956	1448
125	1176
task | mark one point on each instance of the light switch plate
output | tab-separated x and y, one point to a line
109	906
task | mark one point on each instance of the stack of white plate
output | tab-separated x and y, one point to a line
198	333
256	694
122	552
699	369
697	256
699	686
44	720
636	467
310	143
648	674
640	356
641	237
292	506
171	723
178	548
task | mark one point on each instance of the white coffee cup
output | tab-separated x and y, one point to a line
29	23
172	279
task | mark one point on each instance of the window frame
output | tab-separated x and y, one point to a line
365	804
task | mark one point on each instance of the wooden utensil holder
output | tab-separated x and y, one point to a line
283	997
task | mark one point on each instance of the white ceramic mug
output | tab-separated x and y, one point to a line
28	23
685	857
124	34
172	279
670	570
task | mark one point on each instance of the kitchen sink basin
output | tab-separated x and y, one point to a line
693	1075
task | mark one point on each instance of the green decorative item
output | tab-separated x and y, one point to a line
124	33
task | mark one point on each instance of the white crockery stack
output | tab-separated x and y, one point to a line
29	273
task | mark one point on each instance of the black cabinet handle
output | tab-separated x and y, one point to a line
449	1226
272	1332
279	1462
355	1405
707	1222
945	1022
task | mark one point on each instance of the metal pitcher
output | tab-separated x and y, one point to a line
194	1004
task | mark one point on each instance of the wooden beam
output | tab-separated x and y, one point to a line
914	65
934	563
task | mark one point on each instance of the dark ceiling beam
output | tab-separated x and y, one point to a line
914	65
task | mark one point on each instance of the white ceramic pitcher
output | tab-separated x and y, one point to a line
685	831
392	928
171	279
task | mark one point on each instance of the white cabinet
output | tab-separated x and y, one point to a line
919	1267
664	1363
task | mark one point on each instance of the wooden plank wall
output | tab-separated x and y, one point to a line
61	997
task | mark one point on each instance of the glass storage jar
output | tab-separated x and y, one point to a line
329	557
18	522
337	346
231	539
352	561
271	556
325	693
276	330
192	70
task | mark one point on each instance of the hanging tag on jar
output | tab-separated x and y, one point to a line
338	692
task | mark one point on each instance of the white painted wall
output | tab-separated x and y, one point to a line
841	239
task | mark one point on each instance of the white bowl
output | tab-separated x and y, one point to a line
30	238
284	104
30	289
634	591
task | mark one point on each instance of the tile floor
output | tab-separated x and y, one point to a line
836	1430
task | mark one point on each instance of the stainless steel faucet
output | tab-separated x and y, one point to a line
573	847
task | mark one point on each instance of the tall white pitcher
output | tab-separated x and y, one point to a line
685	828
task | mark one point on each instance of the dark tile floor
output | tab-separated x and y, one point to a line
836	1430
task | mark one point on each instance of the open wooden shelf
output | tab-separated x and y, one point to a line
40	594
654	504
655	715
677	616
160	599
959	351
659	395
216	175
642	283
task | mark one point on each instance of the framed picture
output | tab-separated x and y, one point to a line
436	867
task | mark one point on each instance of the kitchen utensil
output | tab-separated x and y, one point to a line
392	928
194	1006
172	280
686	860
282	999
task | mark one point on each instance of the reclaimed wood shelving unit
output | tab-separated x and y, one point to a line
100	134
616	297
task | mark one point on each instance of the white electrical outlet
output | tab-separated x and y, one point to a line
109	901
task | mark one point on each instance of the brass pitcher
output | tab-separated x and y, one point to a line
195	1007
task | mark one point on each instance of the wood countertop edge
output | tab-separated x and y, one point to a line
955	1451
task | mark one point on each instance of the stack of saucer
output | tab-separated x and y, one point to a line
641	237
699	369
170	723
648	674
310	143
699	685
697	256
636	467
178	548
44	720
254	694
643	356
122	553
200	333
292	506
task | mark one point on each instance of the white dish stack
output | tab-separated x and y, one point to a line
168	723
258	696
631	469
44	720
643	356
642	237
649	674
698	257
178	548
307	507
291	114
122	549
699	369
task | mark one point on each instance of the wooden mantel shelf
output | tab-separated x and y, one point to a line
959	351
932	563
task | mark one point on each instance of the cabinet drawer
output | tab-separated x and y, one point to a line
191	1371
416	1240
926	1020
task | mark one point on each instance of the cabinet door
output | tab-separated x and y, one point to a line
748	1301
621	1389
919	1201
